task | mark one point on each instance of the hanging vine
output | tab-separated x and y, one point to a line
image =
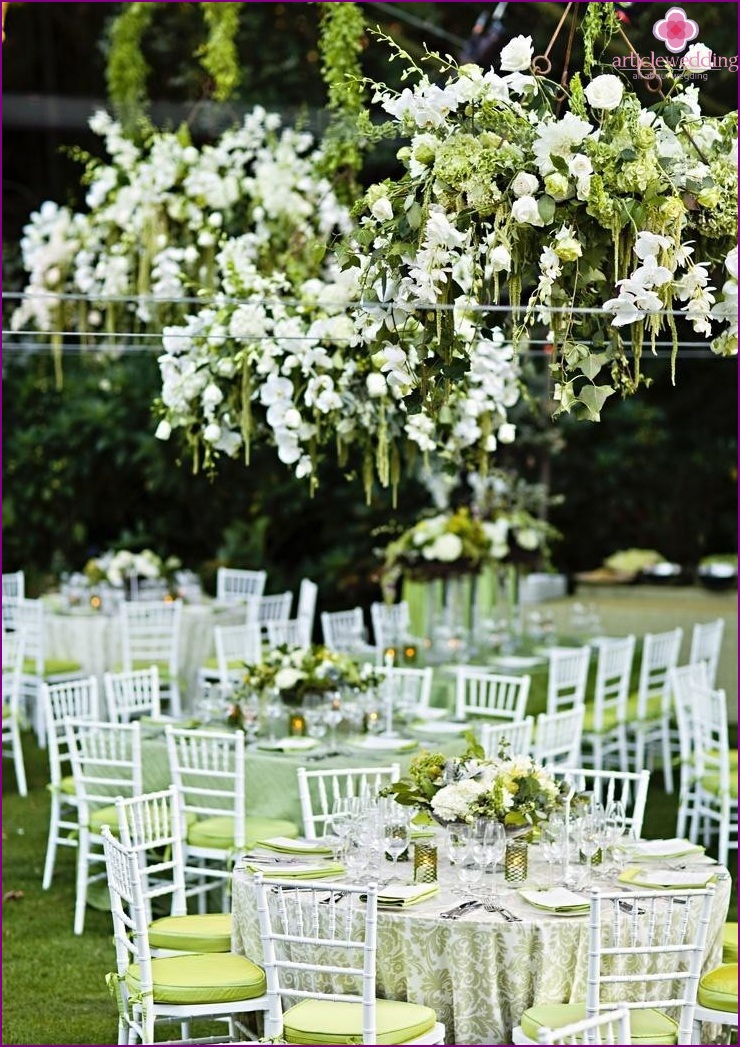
218	55
340	44
127	69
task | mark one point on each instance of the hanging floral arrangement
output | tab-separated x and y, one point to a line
597	225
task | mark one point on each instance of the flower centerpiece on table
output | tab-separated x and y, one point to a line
117	567
295	672
513	790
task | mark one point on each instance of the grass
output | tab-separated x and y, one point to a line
53	982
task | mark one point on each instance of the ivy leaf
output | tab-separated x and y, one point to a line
593	398
592	364
558	162
672	114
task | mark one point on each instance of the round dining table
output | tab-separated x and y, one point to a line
479	971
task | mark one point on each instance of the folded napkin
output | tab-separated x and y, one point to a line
657	849
290	744
293	870
288	846
699	876
556	899
403	895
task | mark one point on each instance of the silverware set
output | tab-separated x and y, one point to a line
459	910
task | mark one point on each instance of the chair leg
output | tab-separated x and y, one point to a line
83	864
51	846
20	767
667	759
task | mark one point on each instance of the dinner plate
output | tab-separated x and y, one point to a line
439	727
289	744
661	850
379	744
515	661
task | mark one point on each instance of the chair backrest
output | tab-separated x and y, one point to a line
234	585
343	630
409	688
662	936
711	740
235	646
317	791
29	616
274	608
687	682
152	826
557	737
130	922
391	623
612	1026
150	633
207	768
659	655
311	944
129	695
631	787
515	737
106	762
490	694
567	676
14	651
295	632
612	687
14	590
706	645
78	699
308	593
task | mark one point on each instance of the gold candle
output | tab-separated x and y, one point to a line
515	861
425	862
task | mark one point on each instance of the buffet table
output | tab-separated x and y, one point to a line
478	972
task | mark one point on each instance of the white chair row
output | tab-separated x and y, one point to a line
13	654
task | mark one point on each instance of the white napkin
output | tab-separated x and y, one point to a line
285	843
675	848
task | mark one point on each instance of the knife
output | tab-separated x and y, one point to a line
452	914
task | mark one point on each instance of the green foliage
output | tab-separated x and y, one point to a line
340	44
219	56
599	24
127	69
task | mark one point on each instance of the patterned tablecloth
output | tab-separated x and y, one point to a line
479	972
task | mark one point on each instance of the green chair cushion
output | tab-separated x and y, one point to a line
647	1026
210	663
164	669
203	932
329	1021
201	979
729	942
52	666
653	711
710	782
104	816
67	785
218	832
718	988
609	721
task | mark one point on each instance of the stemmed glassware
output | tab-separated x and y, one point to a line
274	713
471	864
615	821
251	720
492	837
590	838
333	716
397	835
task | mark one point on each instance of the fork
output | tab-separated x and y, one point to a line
492	905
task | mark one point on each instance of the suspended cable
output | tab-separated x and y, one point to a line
418	23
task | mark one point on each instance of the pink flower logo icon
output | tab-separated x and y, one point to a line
675	30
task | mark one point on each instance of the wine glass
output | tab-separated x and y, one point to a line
274	713
251	720
397	834
471	865
590	838
315	723
493	837
615	821
333	716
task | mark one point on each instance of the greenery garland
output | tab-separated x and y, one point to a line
127	69
340	44
218	55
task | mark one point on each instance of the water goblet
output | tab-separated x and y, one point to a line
397	835
615	821
471	866
274	713
590	838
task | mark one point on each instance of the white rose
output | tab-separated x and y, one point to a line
212	433
604	92
447	547
506	433
698	58
376	384
525	211
285	679
163	430
525	184
500	259
517	55
382	209
527	538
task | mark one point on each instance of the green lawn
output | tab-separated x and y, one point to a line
53	982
